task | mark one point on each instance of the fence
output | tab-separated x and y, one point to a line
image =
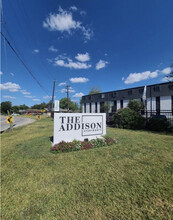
161	114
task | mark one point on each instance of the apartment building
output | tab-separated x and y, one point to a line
159	97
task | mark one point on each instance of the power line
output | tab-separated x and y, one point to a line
24	64
28	38
5	50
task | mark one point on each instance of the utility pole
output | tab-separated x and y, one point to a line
67	87
53	93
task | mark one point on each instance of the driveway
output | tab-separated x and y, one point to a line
17	121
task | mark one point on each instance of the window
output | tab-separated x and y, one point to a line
102	96
172	104
141	91
114	94
130	92
110	95
90	108
101	107
95	107
114	107
158	105
121	103
84	107
156	89
170	87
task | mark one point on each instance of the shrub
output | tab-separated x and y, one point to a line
128	118
82	145
158	124
65	147
135	105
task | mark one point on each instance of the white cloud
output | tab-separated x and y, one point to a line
101	64
65	90
88	33
164	79
82	13
123	78
73	8
63	21
53	49
79	80
35	51
11	87
29	96
24	92
1	72
137	77
166	70
36	100
8	97
72	65
47	97
62	84
82	57
12	74
78	95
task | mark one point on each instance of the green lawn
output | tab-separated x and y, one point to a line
132	179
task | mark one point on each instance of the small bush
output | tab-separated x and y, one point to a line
158	124
82	145
128	118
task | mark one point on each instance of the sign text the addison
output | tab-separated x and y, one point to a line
70	126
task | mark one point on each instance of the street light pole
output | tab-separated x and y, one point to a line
53	93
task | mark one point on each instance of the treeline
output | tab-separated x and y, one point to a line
7	106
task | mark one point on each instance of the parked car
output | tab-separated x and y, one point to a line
158	123
159	116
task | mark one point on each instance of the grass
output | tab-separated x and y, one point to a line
132	179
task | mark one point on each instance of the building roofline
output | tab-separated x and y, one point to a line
129	88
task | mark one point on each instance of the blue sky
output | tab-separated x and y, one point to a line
110	44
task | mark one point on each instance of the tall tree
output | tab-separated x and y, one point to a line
72	106
135	105
15	109
6	106
23	107
40	106
94	90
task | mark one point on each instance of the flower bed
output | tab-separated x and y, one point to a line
82	145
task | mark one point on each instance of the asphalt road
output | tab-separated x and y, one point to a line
17	121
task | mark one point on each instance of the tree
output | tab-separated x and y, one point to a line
80	105
23	107
106	107
94	90
72	106
15	109
129	119
6	106
136	105
40	106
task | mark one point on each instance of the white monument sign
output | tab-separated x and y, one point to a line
79	126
